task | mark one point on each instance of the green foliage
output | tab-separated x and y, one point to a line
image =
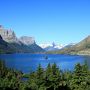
81	78
50	78
9	79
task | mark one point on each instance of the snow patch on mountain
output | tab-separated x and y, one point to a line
51	47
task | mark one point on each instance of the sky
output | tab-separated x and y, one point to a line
59	21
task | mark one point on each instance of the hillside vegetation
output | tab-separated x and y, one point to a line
81	48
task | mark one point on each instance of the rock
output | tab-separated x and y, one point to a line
27	40
9	43
8	35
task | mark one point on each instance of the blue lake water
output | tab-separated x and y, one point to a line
29	62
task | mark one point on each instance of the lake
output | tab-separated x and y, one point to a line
29	62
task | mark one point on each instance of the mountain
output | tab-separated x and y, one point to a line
31	44
51	47
3	45
81	48
69	45
9	43
27	40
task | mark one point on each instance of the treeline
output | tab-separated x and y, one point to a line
51	78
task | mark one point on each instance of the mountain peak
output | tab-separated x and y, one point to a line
9	43
27	40
7	34
51	47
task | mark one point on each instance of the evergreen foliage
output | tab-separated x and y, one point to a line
51	78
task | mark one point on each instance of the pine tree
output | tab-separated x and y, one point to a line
80	78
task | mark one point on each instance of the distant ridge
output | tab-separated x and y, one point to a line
9	43
51	47
81	48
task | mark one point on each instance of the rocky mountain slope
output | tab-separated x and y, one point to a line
9	43
81	48
27	40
